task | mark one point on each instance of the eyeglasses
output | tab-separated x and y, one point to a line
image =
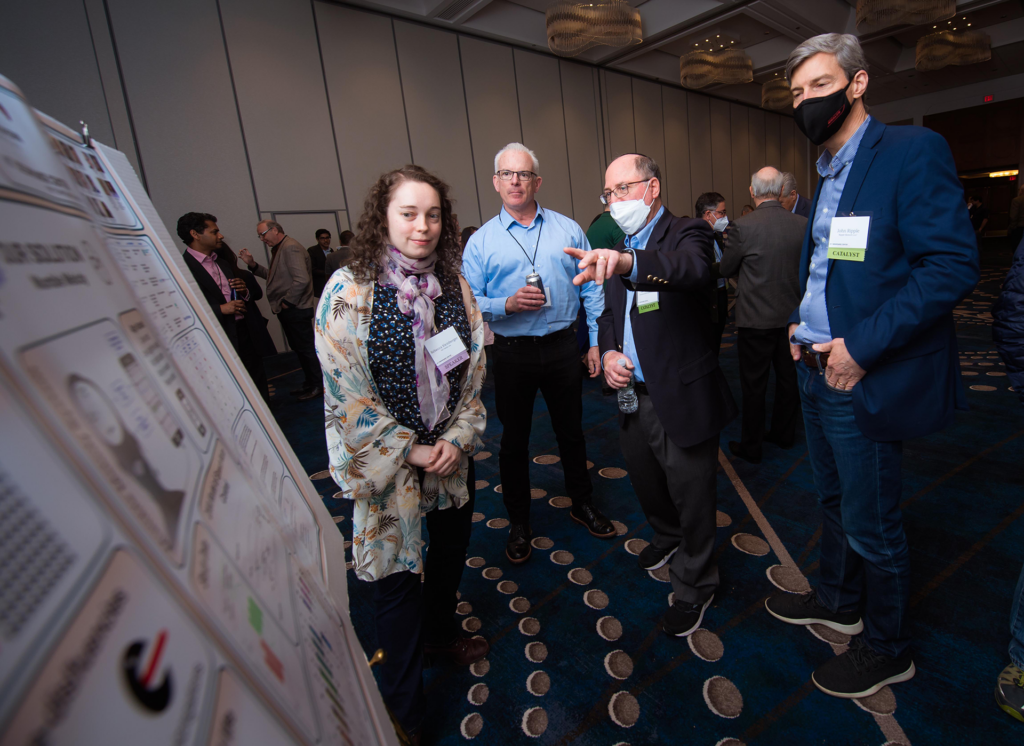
523	175
261	235
715	213
620	191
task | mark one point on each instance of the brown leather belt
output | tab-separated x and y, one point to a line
817	361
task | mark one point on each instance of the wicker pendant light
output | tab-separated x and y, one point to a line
952	47
882	13
574	27
776	95
729	66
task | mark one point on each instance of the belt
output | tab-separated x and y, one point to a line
814	360
558	336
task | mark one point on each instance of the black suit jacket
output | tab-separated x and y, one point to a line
764	249
674	343
254	320
803	206
317	258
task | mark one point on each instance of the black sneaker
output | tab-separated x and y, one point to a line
517	548
683	619
860	671
1010	692
651	558
805	608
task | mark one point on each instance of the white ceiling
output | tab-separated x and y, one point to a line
767	29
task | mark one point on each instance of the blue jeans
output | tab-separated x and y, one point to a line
865	562
1017	624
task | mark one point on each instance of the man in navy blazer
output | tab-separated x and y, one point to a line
657	326
875	345
791	199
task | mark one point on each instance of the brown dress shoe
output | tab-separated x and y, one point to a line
463	652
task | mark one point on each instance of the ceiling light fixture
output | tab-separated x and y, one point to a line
574	27
883	13
936	51
776	95
726	65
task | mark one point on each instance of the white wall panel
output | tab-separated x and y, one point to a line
186	124
649	123
490	79
699	118
619	106
677	151
741	169
366	97
48	53
272	45
721	146
435	105
540	107
772	141
582	135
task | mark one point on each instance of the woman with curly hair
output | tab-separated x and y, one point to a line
402	427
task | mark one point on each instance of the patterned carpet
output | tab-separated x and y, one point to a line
577	655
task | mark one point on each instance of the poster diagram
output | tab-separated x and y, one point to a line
240	719
130	669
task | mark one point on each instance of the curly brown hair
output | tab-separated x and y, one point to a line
372	231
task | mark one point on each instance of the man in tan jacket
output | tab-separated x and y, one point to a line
290	292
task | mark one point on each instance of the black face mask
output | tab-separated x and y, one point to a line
820	118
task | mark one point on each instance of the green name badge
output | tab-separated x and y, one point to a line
848	238
646	301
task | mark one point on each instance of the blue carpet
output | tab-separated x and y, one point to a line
747	677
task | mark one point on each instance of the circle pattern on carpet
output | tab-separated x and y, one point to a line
882	702
549	458
562	557
492	573
538	683
560	502
471	624
623	709
482	483
478	694
612	472
480	668
661	574
635	546
722	697
535	722
519	605
497	523
471	726
507	587
537	494
706	645
477	517
542	542
476	562
620	528
619	665
609	628
722	520
536	652
750	544
788	579
325	474
580	576
481	455
529	626
596	599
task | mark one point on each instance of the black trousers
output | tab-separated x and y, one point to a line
759	350
298	329
252	359
677	490
721	317
410	613
522	365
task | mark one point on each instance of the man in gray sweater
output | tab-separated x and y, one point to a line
290	292
764	250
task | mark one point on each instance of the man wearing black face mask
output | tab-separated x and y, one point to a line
888	254
710	207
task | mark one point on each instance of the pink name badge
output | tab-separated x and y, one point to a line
446	349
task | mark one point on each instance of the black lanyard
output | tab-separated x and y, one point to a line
540	231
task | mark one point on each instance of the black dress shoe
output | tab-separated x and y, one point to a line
463	652
518	548
739	451
311	394
595	522
300	391
785	445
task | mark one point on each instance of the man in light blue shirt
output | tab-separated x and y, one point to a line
534	343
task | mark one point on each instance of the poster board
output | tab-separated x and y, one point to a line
166	580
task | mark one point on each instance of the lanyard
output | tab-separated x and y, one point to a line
540	231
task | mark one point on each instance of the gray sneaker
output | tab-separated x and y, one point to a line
1010	691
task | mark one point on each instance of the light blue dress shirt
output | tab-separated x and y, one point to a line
495	266
637	242
814	325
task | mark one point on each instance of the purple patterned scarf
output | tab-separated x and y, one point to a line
417	287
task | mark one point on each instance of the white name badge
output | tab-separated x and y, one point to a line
446	349
647	301
848	238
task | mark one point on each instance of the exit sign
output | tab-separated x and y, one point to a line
989	99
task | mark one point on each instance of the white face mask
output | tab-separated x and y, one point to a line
631	214
721	224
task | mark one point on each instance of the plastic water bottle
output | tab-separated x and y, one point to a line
628	402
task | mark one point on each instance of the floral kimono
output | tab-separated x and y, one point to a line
368	447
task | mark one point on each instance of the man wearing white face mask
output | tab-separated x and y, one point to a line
710	207
656	326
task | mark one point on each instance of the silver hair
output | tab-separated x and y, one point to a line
517	147
788	183
844	47
647	167
770	188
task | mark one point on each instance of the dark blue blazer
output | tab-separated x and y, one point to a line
895	309
803	206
